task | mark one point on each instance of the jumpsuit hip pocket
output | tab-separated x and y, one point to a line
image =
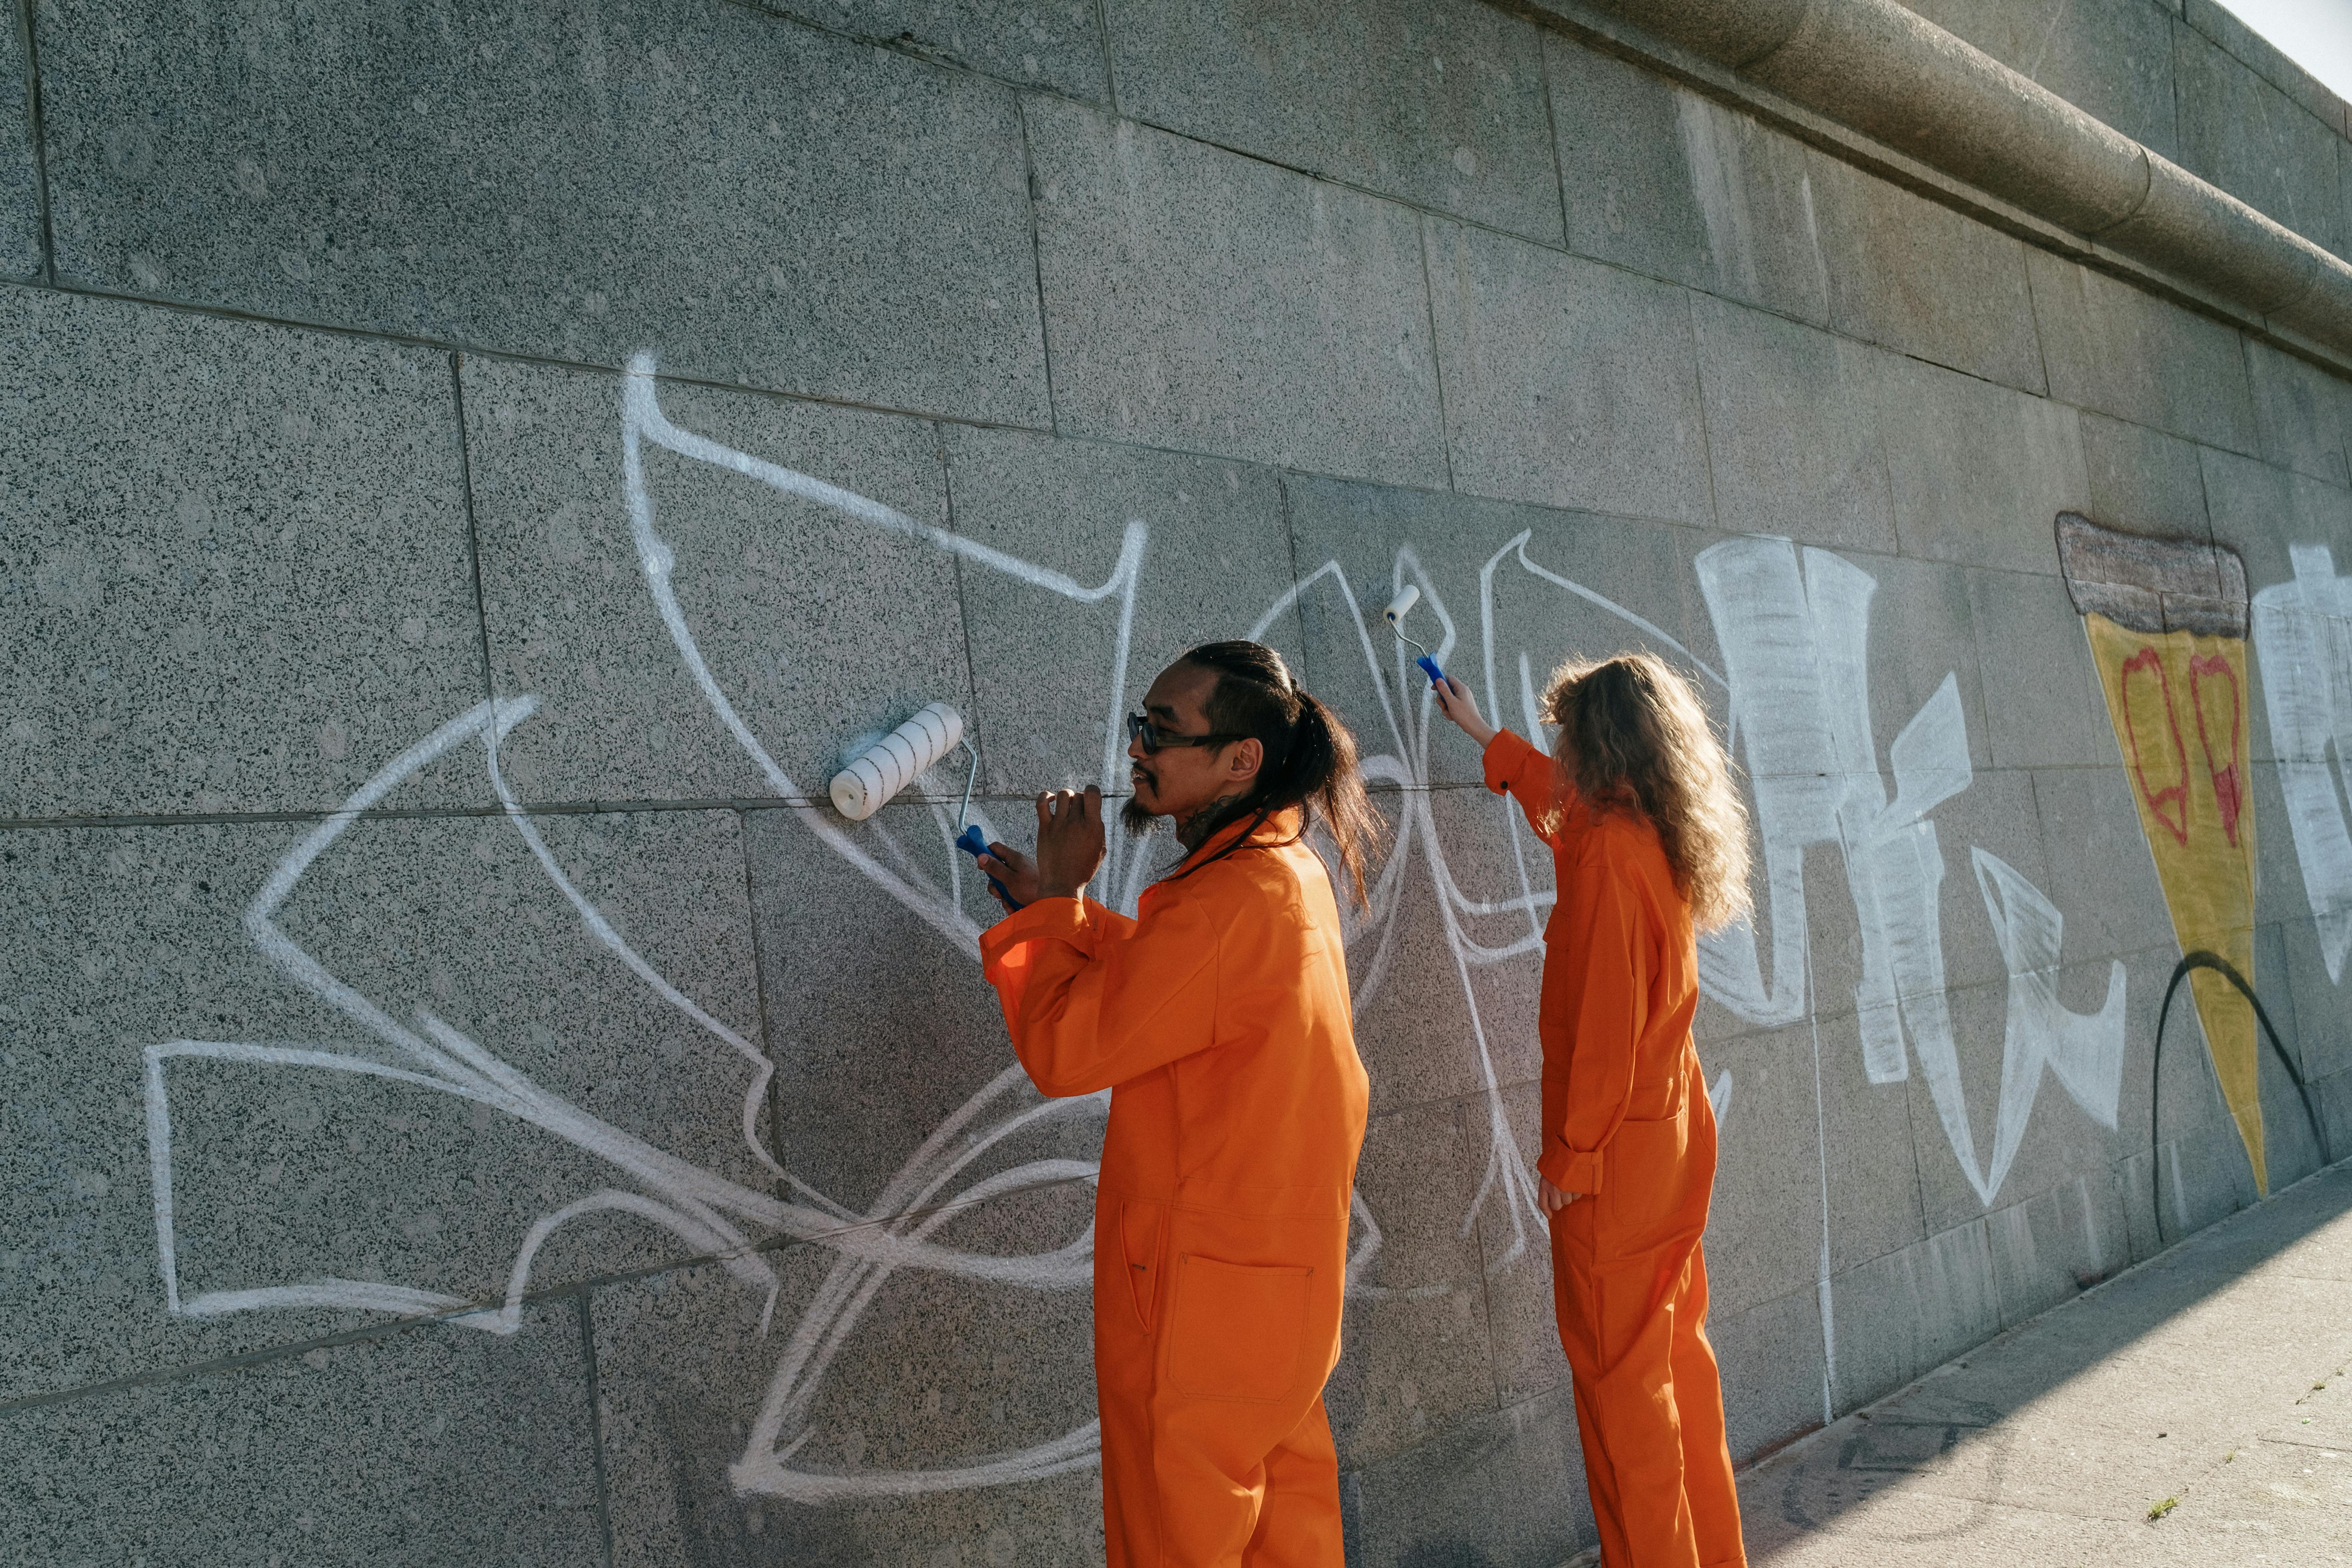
1138	1234
1235	1329
1647	1172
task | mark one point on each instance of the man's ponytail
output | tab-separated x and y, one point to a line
1311	757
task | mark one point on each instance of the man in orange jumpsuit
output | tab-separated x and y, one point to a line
1627	1167
1219	1020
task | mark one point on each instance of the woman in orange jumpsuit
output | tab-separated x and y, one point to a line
1646	833
1219	1020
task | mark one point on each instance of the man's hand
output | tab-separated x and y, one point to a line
1454	701
1554	1200
1015	871
1069	842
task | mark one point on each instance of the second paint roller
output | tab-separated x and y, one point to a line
897	760
1394	616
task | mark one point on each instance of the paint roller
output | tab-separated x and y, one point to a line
1394	616
900	757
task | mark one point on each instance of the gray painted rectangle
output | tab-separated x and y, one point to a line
1515	1250
752	201
1980	472
1202	300
2262	512
1663	181
2142	480
1566	383
1793	430
1425	1030
2043	703
237	570
2300	413
1436	103
2111	348
1917	276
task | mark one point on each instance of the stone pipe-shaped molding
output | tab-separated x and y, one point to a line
1891	74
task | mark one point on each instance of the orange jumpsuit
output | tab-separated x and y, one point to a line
1219	1020
1626	1121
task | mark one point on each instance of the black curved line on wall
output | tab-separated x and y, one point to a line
2202	959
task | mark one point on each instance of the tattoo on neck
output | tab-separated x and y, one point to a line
1192	831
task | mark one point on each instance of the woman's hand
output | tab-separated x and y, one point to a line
1554	1200
1454	701
1069	842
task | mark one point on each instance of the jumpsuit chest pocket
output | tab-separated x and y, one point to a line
1235	1329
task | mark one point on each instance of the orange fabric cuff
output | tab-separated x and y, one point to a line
1000	944
1571	1170
1505	755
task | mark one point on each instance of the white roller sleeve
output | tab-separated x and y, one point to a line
893	762
1394	614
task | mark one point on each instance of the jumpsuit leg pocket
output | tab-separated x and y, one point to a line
1235	1329
1139	1236
1646	1172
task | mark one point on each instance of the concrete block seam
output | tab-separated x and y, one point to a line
585	1302
28	37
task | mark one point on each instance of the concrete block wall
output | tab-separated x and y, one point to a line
2188	80
468	476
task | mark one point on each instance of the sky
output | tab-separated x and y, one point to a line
2315	34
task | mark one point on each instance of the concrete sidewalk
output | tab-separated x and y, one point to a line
2211	1378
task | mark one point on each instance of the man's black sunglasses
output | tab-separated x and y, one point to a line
1153	738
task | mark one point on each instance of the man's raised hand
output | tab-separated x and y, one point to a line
1069	842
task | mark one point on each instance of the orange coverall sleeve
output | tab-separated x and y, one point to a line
1514	767
1093	999
1597	972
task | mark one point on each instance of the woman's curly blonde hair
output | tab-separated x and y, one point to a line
1639	739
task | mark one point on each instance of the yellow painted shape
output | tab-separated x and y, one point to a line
2178	703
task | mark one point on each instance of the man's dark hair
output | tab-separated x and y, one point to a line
1311	757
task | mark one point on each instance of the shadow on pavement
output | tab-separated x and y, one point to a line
1965	1433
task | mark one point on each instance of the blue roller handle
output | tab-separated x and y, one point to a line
1429	667
972	843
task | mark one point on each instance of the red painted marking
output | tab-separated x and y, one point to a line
2170	804
2229	781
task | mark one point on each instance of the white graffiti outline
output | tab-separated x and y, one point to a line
1889	847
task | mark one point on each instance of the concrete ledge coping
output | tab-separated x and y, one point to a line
1874	68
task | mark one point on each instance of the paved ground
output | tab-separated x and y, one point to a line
2213	1378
